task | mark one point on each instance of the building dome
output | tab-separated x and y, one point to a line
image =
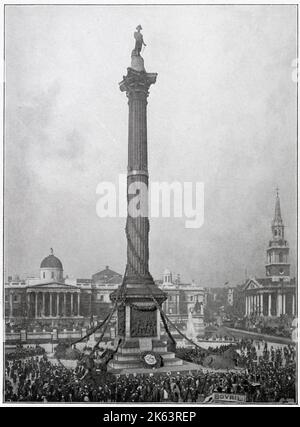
51	268
51	261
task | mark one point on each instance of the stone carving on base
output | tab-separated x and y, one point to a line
143	323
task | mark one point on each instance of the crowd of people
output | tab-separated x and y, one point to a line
281	326
21	352
269	377
197	354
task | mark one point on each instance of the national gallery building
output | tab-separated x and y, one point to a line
51	297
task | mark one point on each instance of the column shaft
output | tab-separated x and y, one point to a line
50	304
28	305
269	305
65	305
57	304
293	305
35	308
278	304
137	227
43	304
72	304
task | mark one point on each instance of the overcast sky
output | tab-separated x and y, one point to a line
222	112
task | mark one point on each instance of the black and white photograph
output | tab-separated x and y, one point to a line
149	167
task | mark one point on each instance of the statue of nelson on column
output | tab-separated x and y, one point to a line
137	62
139	41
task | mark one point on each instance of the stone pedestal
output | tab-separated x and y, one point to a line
128	355
139	329
137	62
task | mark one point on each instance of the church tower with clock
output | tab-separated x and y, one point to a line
275	294
277	265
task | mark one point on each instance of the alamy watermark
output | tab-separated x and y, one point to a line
161	199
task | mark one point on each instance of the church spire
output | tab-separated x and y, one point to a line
277	217
277	253
277	223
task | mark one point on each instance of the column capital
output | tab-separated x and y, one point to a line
136	84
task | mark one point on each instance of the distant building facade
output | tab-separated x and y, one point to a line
52	297
222	295
275	294
183	299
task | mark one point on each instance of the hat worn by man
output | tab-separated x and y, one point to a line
139	27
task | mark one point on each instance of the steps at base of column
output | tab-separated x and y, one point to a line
135	350
116	364
135	356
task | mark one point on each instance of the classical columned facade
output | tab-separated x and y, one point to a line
52	303
269	302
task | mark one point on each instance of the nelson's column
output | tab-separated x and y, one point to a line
138	318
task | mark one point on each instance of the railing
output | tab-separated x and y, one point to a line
45	336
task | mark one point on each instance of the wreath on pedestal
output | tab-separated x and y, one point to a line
151	359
